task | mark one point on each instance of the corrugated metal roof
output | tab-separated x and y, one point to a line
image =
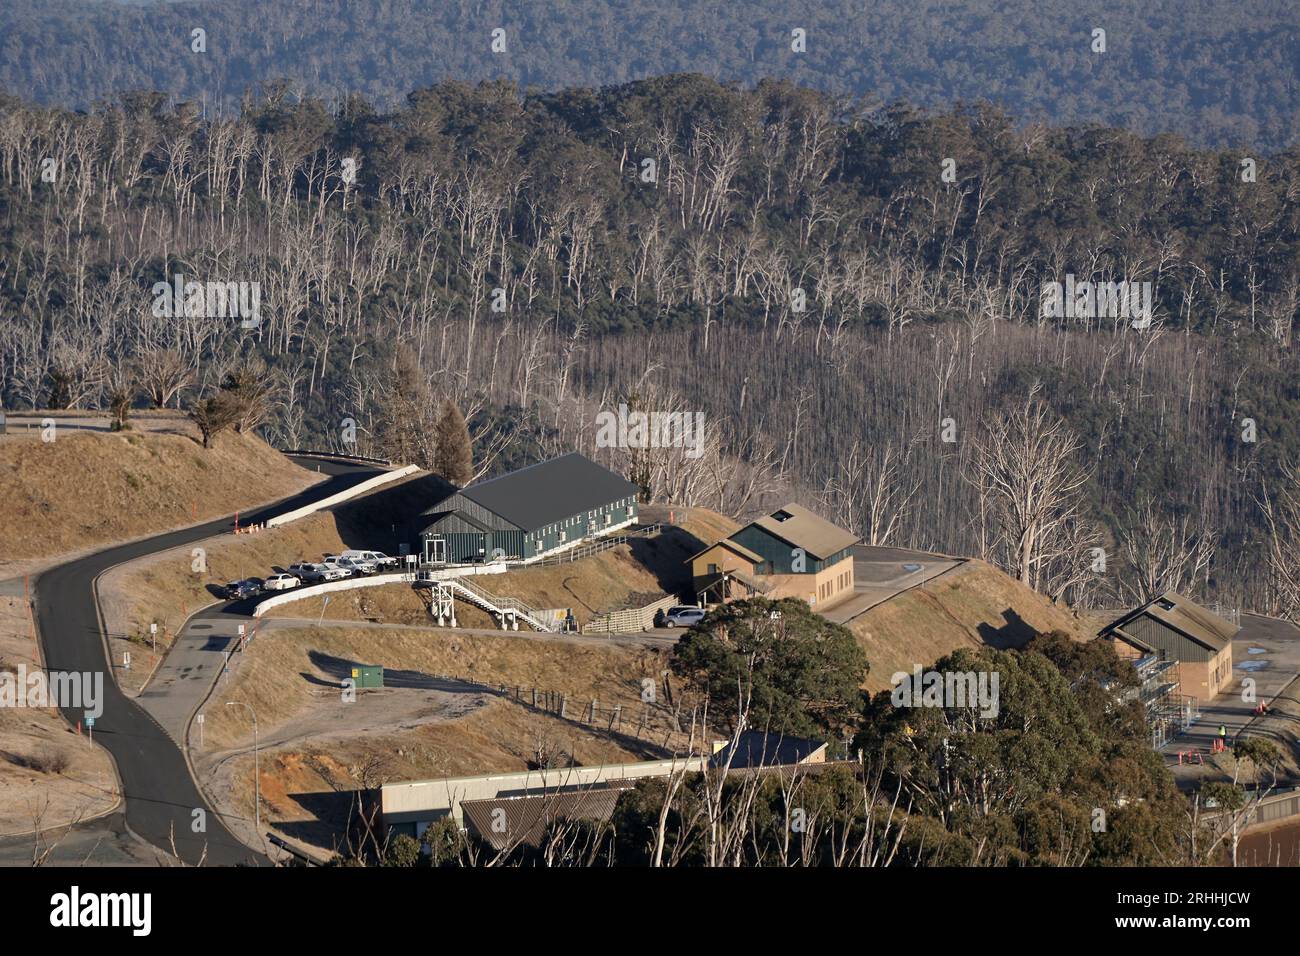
507	822
1182	614
550	491
756	748
806	529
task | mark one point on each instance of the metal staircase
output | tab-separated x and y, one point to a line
507	610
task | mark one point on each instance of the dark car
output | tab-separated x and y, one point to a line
238	590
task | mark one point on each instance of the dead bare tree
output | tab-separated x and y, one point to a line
1024	461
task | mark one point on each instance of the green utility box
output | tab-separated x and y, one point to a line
366	677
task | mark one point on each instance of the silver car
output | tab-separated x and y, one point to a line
684	616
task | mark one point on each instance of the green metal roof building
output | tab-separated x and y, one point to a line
528	513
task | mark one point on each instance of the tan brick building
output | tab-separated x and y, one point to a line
1174	627
792	552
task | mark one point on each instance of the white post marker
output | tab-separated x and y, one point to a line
324	605
153	637
126	660
243	642
199	720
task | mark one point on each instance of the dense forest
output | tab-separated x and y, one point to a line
851	295
1221	74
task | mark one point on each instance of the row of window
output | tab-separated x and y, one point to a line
607	510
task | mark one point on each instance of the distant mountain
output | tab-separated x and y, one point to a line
1219	73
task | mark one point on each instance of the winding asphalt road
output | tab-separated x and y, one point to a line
161	796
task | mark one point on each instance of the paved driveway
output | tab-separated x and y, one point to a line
880	573
1266	650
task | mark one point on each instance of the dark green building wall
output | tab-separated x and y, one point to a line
778	555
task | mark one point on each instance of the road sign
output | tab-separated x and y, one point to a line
90	720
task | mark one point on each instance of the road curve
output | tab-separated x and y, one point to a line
160	795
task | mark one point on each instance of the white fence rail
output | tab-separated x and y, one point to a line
374	580
354	491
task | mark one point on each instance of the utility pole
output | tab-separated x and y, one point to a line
257	772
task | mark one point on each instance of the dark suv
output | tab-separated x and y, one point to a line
238	590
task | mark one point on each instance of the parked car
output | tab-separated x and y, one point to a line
334	572
357	566
303	570
377	558
684	616
238	590
281	582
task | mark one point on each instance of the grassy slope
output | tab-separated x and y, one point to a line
971	605
86	489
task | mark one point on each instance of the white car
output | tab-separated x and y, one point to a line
684	616
332	572
280	582
376	558
357	565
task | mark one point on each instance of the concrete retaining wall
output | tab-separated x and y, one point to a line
354	491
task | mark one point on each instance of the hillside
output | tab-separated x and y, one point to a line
85	489
1169	66
971	605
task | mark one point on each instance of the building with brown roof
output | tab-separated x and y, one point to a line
1174	627
793	552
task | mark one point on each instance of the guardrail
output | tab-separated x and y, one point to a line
353	492
313	453
604	543
312	590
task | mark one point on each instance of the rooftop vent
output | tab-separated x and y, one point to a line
782	516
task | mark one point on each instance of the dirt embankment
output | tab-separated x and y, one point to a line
165	588
972	605
86	489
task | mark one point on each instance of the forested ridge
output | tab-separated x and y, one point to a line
1219	73
860	332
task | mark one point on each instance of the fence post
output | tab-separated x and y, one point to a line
563	704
